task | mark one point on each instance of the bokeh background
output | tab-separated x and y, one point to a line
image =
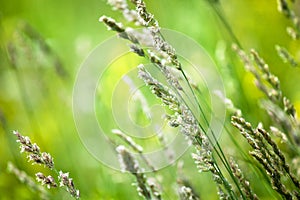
50	40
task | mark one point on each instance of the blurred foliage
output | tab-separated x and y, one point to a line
43	44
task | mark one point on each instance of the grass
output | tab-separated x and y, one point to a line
230	166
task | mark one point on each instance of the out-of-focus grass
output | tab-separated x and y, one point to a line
37	101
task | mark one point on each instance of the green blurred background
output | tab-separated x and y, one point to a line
36	93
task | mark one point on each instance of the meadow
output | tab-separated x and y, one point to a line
175	100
